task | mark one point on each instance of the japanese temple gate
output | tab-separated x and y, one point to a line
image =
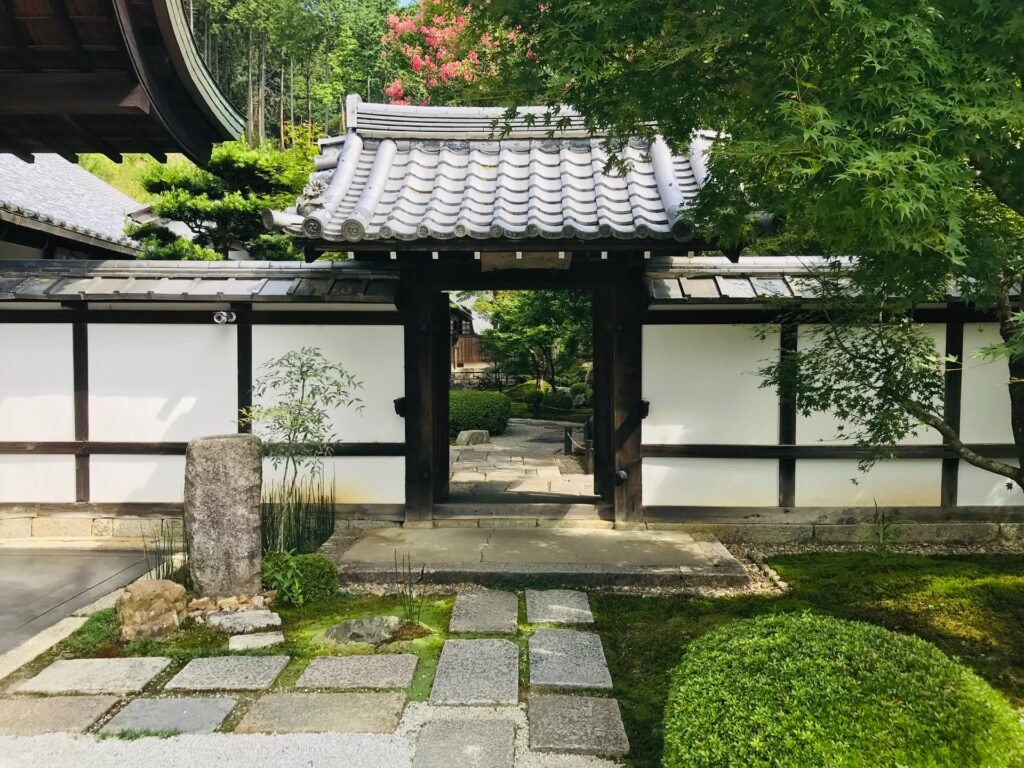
143	356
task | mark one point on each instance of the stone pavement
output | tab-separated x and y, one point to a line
526	459
571	556
482	712
39	587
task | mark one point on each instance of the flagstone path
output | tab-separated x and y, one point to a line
526	459
481	714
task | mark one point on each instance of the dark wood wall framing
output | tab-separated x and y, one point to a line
787	452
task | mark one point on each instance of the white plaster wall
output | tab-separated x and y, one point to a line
357	479
703	386
161	382
374	354
37	478
978	488
711	482
985	403
821	428
37	382
898	483
137	478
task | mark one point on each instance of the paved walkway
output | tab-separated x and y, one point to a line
482	712
527	459
39	587
570	556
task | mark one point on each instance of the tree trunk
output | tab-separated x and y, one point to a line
262	120
249	105
291	97
280	108
1009	329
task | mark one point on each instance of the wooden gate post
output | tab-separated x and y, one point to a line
628	302
418	304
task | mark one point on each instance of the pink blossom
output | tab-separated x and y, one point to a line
417	63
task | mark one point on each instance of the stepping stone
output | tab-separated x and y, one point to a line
96	676
565	658
69	714
257	640
466	744
229	673
239	622
477	672
577	724
324	713
171	715
486	612
381	671
558	606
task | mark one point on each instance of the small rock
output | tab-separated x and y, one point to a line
257	602
269	597
374	630
243	622
203	604
473	437
257	640
228	604
150	608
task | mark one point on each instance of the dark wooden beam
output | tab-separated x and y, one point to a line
80	375
60	13
243	363
815	451
952	397
171	316
441	340
20	43
604	470
78	93
109	448
787	420
418	303
629	299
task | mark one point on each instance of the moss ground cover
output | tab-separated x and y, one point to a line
970	607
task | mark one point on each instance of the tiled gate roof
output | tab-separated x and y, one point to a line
406	173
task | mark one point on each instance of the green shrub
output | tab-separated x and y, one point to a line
805	690
533	397
520	392
300	579
557	401
319	578
579	388
478	410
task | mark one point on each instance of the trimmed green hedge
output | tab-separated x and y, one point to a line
808	691
478	410
558	401
520	392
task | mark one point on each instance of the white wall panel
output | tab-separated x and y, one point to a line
711	482
161	382
37	478
703	386
822	428
985	403
899	483
374	354
137	478
978	488
37	384
357	479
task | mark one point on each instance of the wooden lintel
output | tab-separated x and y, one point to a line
71	93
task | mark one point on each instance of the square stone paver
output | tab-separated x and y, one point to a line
380	671
70	714
577	724
565	658
202	715
96	676
228	673
486	612
466	744
477	672
324	713
558	606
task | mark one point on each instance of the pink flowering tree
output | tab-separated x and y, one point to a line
438	58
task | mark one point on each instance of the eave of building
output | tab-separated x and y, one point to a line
107	76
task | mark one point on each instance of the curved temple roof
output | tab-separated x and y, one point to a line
424	173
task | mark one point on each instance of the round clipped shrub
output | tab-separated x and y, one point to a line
533	397
478	410
318	576
809	691
557	401
520	392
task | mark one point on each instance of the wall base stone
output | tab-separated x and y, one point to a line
15	527
68	527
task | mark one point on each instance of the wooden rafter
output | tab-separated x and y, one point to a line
67	27
80	93
21	44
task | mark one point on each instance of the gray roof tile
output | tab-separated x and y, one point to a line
55	193
412	173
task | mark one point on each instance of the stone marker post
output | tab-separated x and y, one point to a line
223	480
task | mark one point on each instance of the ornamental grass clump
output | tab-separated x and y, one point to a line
809	691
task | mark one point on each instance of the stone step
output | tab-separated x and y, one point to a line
566	658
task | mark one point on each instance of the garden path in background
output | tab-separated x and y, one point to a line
527	460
